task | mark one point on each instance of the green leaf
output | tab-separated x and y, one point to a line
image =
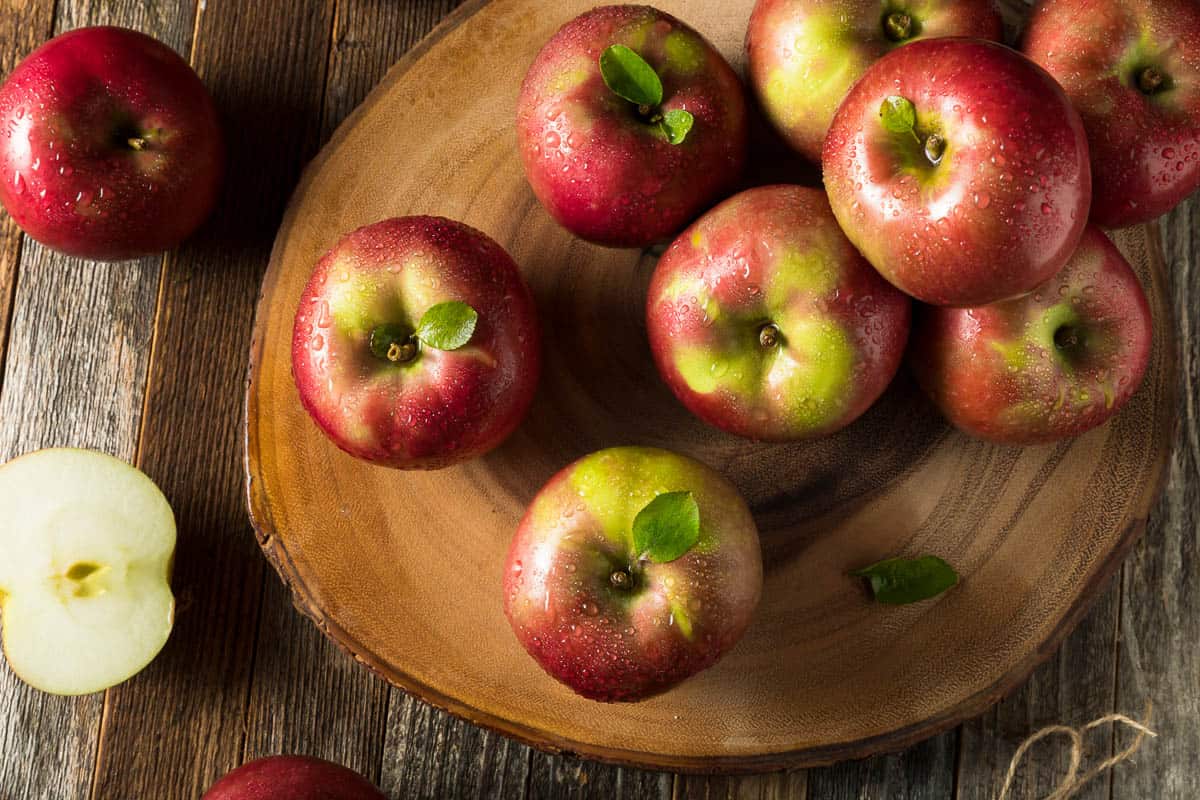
675	124
667	527
898	581
447	326
630	77
899	115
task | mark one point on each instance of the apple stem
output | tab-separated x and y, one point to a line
620	579
1150	80
935	148
136	143
898	26
398	353
768	335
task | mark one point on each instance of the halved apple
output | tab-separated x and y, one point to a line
86	544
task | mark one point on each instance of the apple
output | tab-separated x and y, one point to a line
292	778
416	343
960	170
629	124
1132	69
112	146
766	322
1055	363
804	55
632	569
87	544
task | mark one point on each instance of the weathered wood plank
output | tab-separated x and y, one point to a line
24	24
773	786
553	777
430	755
267	72
1160	616
75	374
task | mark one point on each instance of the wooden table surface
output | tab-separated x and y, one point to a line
146	360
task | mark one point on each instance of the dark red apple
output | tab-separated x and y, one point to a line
804	55
292	778
960	170
416	343
607	593
766	322
1055	363
609	169
111	149
1132	68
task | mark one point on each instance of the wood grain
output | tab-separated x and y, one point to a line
75	374
1160	615
192	701
881	487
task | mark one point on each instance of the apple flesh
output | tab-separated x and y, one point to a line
1053	364
112	145
985	197
292	778
597	162
427	408
1132	69
804	55
84	581
766	322
602	619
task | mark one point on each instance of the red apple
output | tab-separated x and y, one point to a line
416	343
804	55
766	322
112	147
616	615
606	167
292	778
1132	68
1052	364
960	170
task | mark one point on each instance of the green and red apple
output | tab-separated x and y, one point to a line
416	343
1132	69
766	322
87	544
292	778
112	145
1052	364
633	569
960	170
804	55
629	124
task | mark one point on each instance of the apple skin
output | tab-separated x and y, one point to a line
1005	207
1145	148
442	407
999	373
292	778
68	175
599	170
678	618
774	256
804	55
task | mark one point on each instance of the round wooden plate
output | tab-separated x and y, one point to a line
404	569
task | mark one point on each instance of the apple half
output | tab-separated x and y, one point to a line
86	544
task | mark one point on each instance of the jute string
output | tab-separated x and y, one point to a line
1073	781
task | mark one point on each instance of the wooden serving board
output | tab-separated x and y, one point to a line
404	570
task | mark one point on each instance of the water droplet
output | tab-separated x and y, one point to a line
983	200
553	139
18	183
1168	152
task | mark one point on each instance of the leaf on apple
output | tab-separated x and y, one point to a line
899	115
899	581
667	527
447	326
676	124
630	77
